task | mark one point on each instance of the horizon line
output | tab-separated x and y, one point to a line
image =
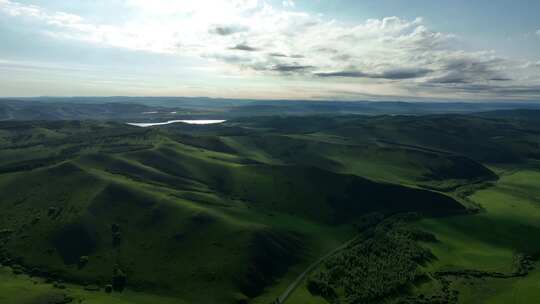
423	100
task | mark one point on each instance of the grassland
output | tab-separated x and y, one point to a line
490	240
22	289
487	242
241	209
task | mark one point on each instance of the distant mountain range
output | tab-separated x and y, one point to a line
158	108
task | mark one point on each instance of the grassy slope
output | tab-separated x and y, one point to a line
191	219
391	149
509	291
488	241
509	224
21	289
223	192
154	228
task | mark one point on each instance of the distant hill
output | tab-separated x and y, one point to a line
161	108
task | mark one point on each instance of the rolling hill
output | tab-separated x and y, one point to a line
240	208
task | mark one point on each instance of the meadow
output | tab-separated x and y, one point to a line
167	214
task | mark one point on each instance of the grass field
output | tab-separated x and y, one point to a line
241	209
508	224
22	289
488	241
208	218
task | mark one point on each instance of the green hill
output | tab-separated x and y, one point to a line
241	209
165	212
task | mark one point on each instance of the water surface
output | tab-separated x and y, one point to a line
191	122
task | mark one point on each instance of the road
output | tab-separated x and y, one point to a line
292	287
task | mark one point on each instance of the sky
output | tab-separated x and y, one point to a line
272	49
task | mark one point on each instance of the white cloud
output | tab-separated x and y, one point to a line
253	37
530	64
288	4
538	32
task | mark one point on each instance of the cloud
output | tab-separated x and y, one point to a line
530	64
403	73
246	37
351	74
500	79
231	59
227	30
538	32
462	67
393	74
449	78
15	9
295	68
288	4
277	55
244	47
295	56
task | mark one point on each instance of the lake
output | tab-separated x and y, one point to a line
191	122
